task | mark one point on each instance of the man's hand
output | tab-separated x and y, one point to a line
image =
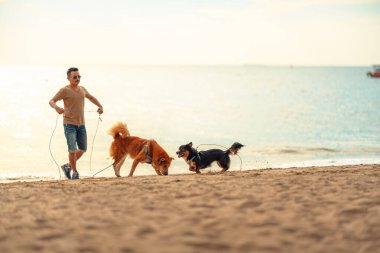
59	110
100	110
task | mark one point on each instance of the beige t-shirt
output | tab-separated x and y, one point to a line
73	100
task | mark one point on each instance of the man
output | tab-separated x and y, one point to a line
73	119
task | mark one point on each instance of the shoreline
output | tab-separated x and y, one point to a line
314	209
211	170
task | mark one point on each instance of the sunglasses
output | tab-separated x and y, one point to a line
76	77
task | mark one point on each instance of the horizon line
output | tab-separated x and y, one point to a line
190	65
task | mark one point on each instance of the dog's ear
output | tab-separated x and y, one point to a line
190	144
162	160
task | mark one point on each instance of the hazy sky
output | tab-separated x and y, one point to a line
297	32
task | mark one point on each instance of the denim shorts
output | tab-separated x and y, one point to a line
76	137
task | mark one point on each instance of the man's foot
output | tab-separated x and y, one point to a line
75	175
66	170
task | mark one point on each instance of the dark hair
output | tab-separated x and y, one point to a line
73	69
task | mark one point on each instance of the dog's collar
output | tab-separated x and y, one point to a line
195	156
188	161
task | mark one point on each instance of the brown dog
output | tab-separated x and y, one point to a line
141	150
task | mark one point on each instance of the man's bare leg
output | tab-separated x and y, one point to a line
73	158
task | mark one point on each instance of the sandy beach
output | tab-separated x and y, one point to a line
318	209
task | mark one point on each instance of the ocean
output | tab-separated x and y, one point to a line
284	115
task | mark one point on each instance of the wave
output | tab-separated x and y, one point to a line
314	150
306	150
26	176
327	162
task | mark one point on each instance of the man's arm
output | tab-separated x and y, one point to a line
58	109
95	102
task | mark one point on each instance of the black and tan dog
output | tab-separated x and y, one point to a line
203	159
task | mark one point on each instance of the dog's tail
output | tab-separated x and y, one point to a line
233	150
119	129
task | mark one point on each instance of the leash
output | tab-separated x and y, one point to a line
102	170
241	161
51	138
93	141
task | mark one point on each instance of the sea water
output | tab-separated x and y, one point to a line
285	116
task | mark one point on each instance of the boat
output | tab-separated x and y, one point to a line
375	72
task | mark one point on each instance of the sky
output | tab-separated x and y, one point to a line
190	32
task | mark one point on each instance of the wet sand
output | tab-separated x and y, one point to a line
319	209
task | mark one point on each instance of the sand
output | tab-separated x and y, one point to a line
319	209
